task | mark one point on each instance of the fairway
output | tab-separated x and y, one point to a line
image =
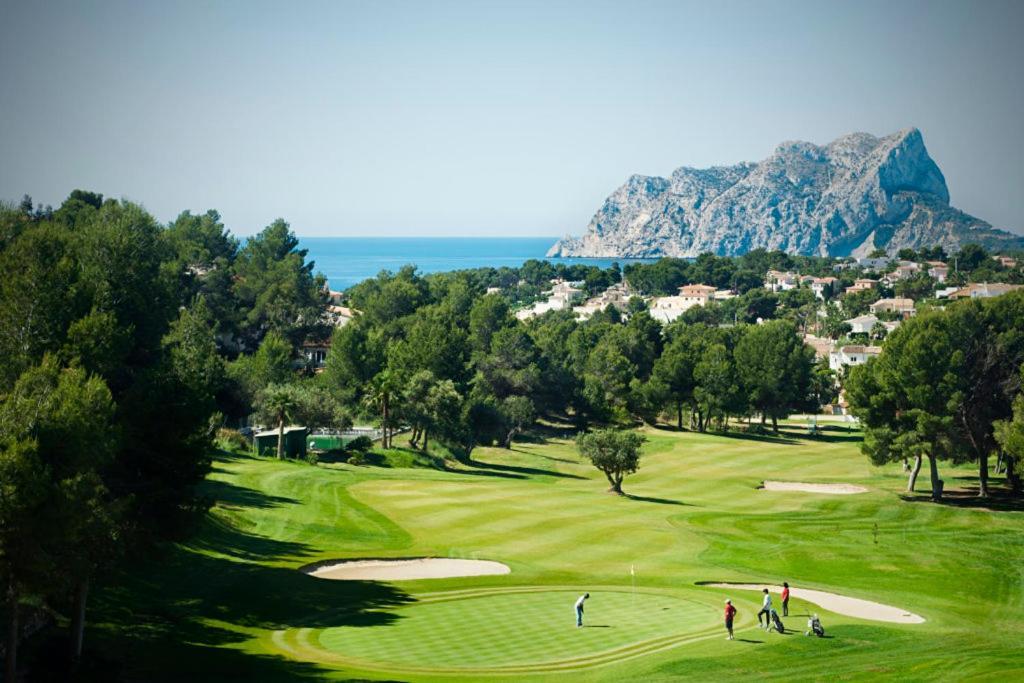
232	602
521	630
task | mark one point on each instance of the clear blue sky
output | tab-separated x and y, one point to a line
488	118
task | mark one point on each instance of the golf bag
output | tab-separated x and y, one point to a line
777	622
814	624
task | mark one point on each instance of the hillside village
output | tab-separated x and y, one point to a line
851	311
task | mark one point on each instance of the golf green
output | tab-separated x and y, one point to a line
512	629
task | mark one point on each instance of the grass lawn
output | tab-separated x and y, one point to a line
230	604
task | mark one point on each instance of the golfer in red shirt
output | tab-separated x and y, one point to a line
785	599
730	612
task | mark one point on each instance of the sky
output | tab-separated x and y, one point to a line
485	118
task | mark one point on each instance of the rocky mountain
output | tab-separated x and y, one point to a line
849	197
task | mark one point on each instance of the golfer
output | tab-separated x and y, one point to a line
785	599
766	610
730	613
579	609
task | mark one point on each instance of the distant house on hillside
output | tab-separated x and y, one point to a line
697	295
848	356
864	324
668	308
561	297
822	346
938	270
861	285
779	281
904	271
341	315
904	307
822	286
1006	261
315	354
984	290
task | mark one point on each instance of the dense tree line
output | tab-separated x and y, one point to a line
416	333
116	334
944	388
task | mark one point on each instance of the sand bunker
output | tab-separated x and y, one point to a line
840	604
403	570
837	489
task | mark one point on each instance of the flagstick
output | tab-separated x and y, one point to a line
632	574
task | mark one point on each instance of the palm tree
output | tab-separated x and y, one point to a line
278	401
380	395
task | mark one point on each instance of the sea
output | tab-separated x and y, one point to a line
346	261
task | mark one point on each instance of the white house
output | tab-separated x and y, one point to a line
561	297
778	281
984	290
668	308
822	285
847	356
862	324
938	270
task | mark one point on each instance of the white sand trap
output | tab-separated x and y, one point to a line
403	570
840	604
836	489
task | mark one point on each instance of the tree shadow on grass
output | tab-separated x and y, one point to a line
173	617
998	500
834	438
660	501
233	495
518	470
747	640
781	437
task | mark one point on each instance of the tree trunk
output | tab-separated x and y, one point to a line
280	436
679	414
616	483
936	482
385	438
425	436
12	634
914	471
775	424
999	462
983	475
78	620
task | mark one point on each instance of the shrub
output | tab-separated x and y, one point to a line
231	440
357	458
360	444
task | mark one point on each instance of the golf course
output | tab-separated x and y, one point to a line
232	603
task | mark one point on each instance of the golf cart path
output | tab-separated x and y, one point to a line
403	569
840	604
836	489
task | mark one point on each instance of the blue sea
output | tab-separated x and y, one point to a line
349	260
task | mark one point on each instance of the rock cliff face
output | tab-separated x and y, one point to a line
852	196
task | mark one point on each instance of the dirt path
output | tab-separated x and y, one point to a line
403	570
840	604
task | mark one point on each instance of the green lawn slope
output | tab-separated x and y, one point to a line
231	605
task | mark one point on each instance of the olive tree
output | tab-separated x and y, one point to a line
614	452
